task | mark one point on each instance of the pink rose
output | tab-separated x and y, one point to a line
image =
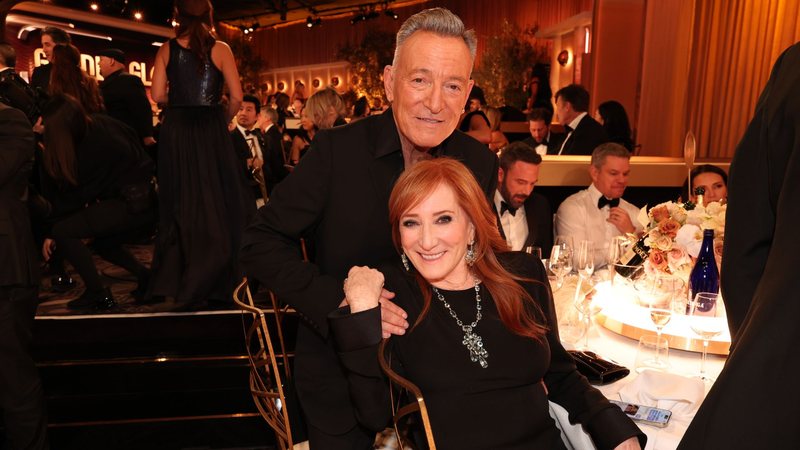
658	260
669	228
660	213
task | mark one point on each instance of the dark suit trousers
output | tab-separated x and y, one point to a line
110	224
21	394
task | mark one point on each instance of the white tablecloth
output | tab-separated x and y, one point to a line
623	351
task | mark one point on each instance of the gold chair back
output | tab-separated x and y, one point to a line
267	376
402	412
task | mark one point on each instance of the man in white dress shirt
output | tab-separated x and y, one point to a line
524	218
599	213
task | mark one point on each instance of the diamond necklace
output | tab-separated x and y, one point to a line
473	342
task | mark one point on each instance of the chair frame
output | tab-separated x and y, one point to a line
266	376
401	412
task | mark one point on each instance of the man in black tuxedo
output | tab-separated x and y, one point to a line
14	91
40	78
124	95
524	217
337	197
542	139
21	395
261	151
584	134
753	402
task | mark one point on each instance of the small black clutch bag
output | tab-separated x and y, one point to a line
596	369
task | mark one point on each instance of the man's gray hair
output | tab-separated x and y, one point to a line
602	151
272	114
440	21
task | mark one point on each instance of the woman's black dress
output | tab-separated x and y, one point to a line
501	407
203	195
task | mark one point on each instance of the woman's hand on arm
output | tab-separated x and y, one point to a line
363	288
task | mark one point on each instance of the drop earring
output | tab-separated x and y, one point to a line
470	256
404	258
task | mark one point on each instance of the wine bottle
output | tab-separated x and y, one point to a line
633	258
705	274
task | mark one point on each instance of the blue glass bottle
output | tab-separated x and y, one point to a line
705	274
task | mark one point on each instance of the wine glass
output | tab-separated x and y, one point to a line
533	250
588	307
658	295
706	321
561	258
585	259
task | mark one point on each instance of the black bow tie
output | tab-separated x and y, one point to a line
506	207
614	202
249	132
568	129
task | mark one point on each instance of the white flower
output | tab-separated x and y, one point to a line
689	238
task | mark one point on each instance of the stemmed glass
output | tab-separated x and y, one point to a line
585	259
588	307
706	321
658	295
561	258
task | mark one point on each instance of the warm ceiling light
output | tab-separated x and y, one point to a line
310	22
94	6
137	15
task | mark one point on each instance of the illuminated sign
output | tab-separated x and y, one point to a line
91	64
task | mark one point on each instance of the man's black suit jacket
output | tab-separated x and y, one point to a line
337	196
759	280
554	141
540	223
585	137
274	168
40	78
19	265
126	100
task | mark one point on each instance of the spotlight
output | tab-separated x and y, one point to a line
94	6
391	14
310	22
174	23
137	15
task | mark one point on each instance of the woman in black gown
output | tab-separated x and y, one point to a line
486	387
204	200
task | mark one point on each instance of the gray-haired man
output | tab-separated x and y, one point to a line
337	198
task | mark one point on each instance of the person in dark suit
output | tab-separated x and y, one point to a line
524	217
543	140
584	134
100	185
124	95
40	78
14	91
338	195
759	280
21	394
262	152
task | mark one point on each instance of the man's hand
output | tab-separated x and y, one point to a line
362	288
393	318
620	219
148	141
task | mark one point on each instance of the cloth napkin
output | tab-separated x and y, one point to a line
678	394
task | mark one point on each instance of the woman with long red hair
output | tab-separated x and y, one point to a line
484	346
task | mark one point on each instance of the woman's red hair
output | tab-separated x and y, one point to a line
416	184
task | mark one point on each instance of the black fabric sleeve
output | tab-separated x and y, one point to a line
271	244
357	337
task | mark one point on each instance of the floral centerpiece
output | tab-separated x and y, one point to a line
674	233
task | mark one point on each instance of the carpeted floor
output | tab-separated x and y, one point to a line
120	282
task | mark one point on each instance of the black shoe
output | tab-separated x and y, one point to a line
61	283
99	300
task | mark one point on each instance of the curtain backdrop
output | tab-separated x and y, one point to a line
735	43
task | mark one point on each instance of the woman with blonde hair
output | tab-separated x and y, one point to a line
498	139
484	346
325	109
